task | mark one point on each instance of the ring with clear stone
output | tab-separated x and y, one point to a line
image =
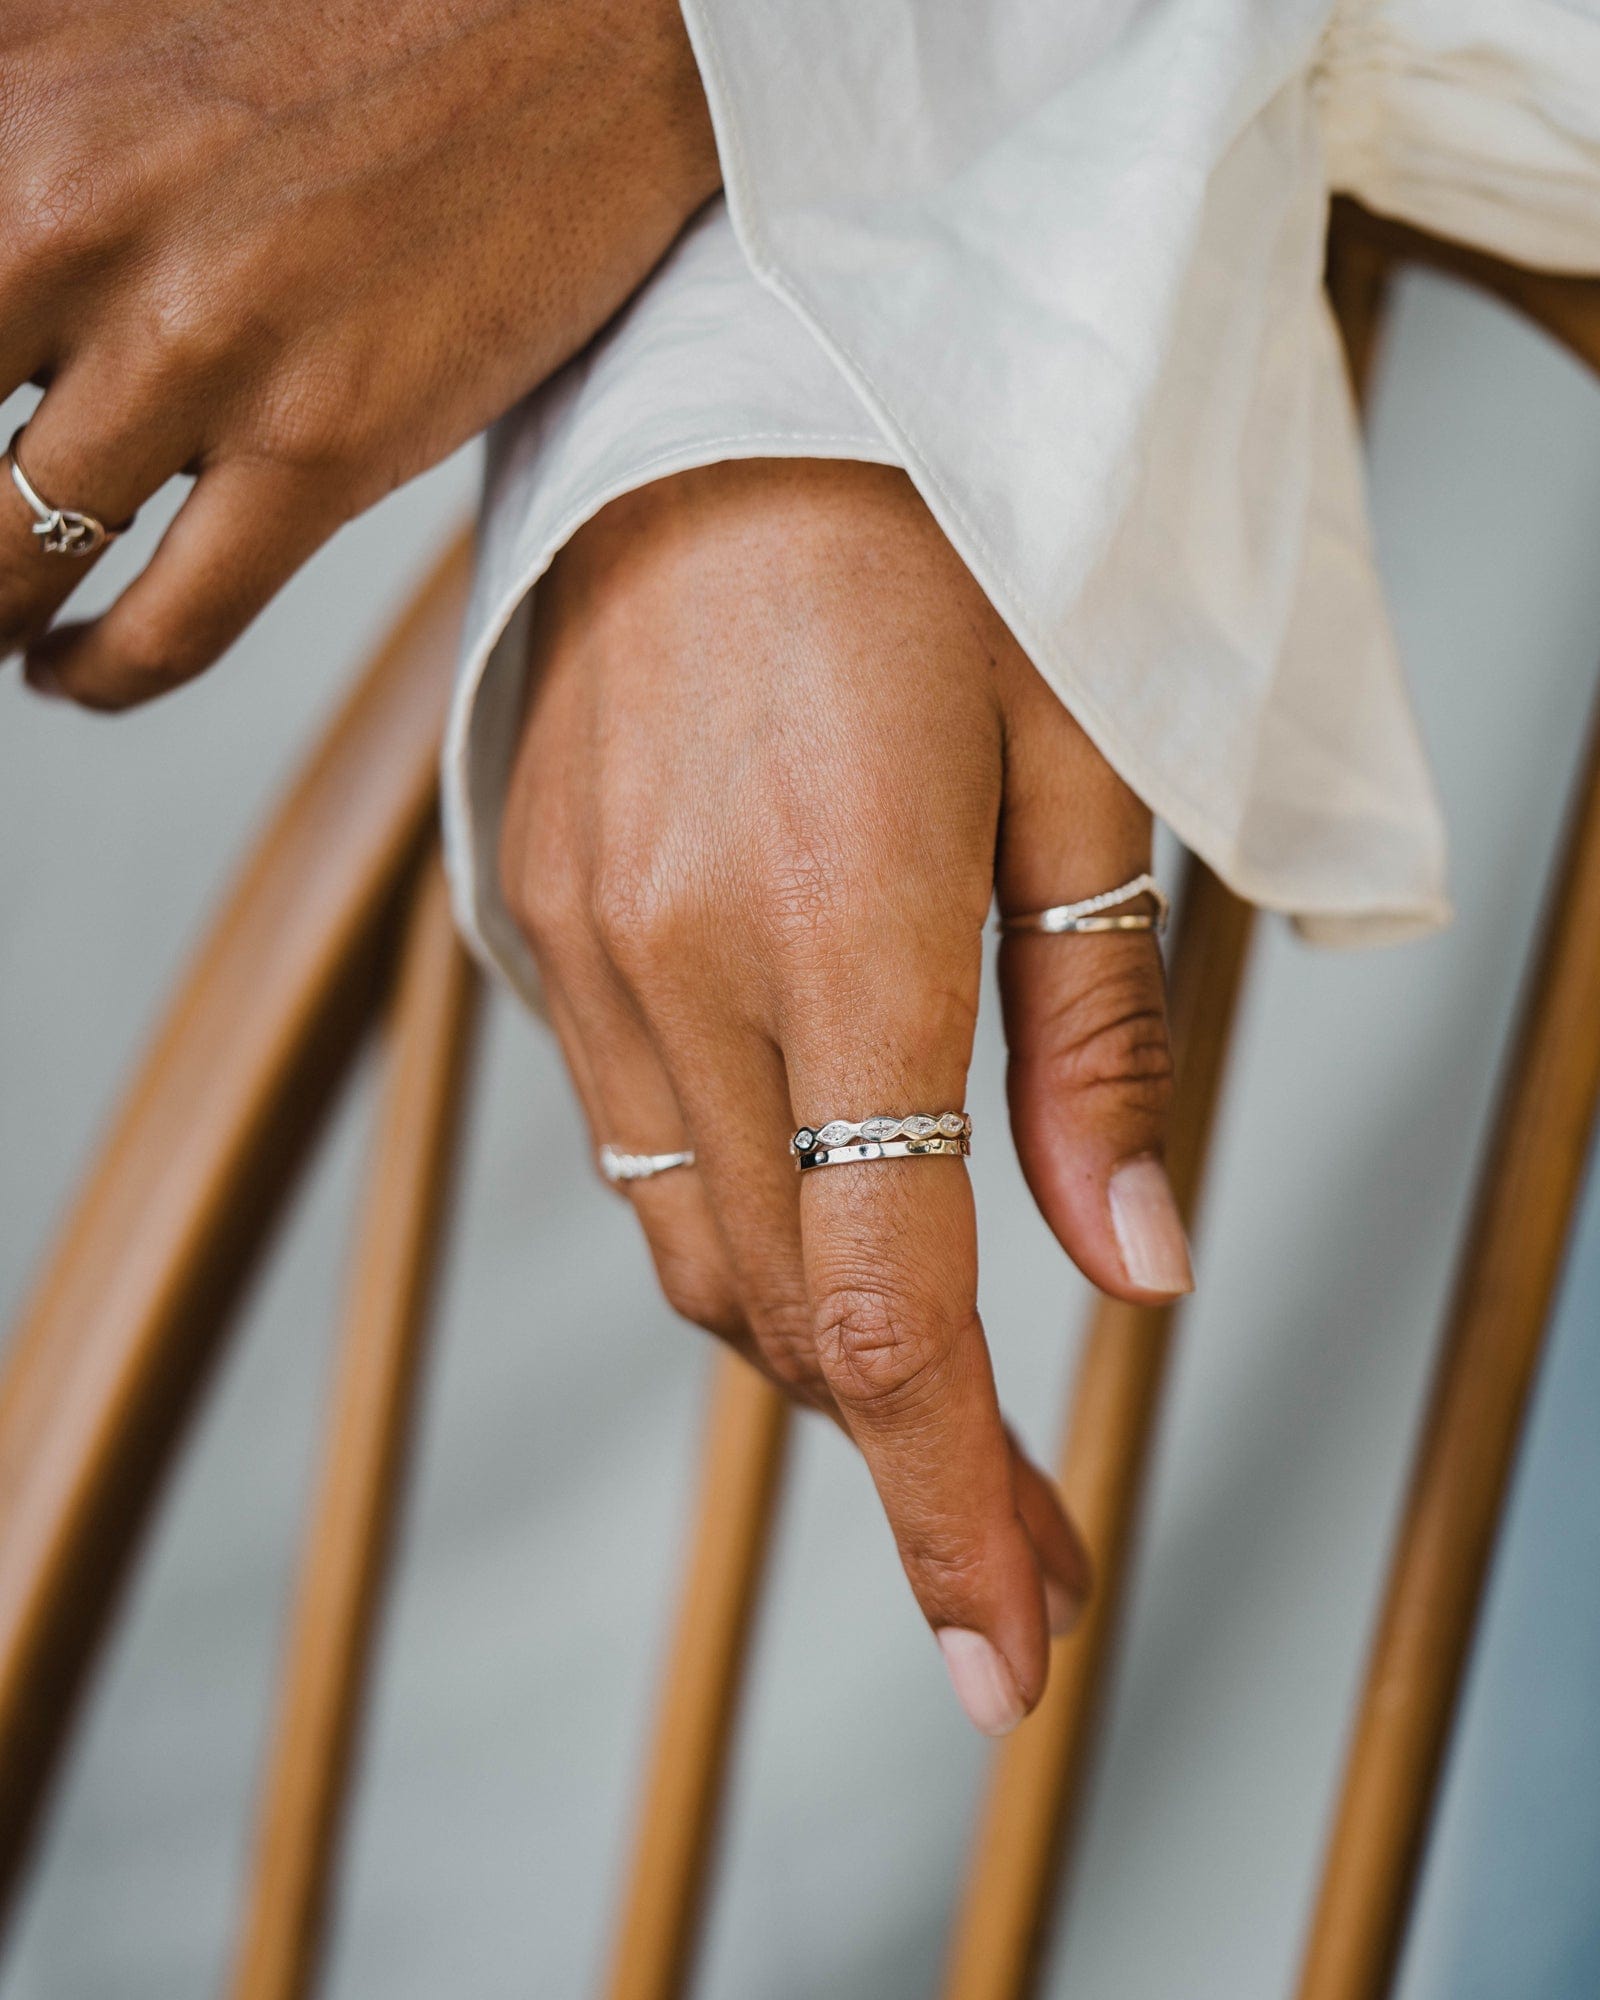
881	1128
935	1146
1095	913
619	1167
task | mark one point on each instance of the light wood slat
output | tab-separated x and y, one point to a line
1004	1917
1511	1262
665	1894
351	1527
1003	1920
110	1350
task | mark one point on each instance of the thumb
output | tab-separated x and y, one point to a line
1090	1077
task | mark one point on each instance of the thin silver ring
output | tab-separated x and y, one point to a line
1088	915
883	1149
619	1167
881	1126
62	531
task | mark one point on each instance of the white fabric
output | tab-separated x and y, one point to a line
1064	265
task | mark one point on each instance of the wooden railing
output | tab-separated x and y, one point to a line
340	919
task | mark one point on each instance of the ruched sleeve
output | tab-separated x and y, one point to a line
1064	265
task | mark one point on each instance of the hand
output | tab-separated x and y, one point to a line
778	753
303	251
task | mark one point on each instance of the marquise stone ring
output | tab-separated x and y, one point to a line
916	1135
62	531
619	1167
1099	913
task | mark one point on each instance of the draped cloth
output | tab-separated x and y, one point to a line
1063	265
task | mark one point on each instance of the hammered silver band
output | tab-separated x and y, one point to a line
619	1167
62	531
1099	913
882	1149
882	1126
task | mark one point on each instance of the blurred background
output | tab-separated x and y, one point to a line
541	1549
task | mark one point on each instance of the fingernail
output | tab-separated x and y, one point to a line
982	1681
1144	1214
1061	1608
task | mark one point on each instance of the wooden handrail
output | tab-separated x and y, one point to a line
111	1349
1014	1883
740	1480
1004	1917
1514	1248
351	1529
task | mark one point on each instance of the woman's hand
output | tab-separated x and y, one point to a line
779	752
303	250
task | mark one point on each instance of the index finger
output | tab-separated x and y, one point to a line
891	1267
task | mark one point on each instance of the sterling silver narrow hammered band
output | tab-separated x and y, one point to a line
885	1136
1099	913
62	531
619	1167
882	1149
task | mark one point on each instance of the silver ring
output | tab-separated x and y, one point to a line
62	531
882	1126
619	1167
883	1149
1089	915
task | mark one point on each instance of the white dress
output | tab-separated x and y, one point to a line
1063	264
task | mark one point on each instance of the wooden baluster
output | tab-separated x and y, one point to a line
1511	1262
133	1304
1003	1921
665	1895
350	1534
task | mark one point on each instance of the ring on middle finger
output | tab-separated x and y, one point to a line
883	1136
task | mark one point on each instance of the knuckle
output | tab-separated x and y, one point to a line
697	1289
183	336
880	1350
151	655
147	649
320	418
1114	1039
946	1573
783	1331
545	901
640	913
61	209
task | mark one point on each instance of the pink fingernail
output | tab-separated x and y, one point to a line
1061	1608
982	1681
1149	1229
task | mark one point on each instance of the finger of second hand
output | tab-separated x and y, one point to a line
241	533
891	1267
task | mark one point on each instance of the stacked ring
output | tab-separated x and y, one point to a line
883	1136
882	1149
